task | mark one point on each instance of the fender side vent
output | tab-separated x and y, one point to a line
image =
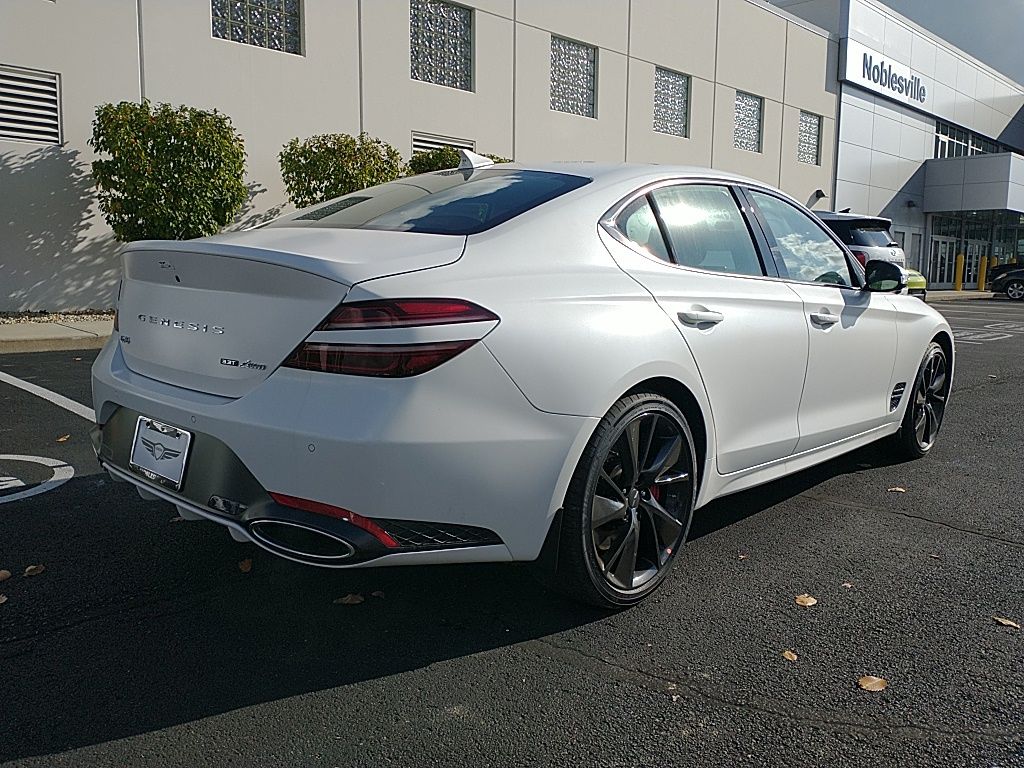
897	395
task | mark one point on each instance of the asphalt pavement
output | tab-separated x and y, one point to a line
143	642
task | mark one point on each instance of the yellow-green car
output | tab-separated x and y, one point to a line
916	284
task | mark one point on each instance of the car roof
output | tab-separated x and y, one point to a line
619	172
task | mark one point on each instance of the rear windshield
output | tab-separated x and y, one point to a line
875	235
443	203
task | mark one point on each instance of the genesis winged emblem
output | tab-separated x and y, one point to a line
159	451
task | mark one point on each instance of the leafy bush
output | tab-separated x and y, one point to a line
441	159
173	173
323	167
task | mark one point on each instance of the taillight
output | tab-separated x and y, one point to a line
861	257
403	313
388	360
319	508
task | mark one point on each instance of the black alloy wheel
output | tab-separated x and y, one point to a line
927	405
629	504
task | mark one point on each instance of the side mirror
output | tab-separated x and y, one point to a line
884	276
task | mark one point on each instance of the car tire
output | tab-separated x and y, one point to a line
1015	290
926	406
629	505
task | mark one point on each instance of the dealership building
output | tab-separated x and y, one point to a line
841	103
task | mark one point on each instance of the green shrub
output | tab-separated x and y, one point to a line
441	159
323	167
172	173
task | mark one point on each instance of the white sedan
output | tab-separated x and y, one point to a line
555	363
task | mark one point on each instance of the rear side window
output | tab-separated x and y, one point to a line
706	229
638	223
452	202
802	248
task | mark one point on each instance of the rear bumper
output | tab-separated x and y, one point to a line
458	447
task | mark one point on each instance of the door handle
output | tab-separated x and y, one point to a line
824	318
699	316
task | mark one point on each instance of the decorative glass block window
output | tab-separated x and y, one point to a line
573	77
808	148
274	24
29	106
746	133
671	102
441	43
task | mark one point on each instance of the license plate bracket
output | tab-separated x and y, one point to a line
160	451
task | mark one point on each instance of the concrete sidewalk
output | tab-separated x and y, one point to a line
93	334
49	337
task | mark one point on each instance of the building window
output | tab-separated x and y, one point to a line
274	24
671	102
29	106
441	44
747	130
809	145
951	141
573	77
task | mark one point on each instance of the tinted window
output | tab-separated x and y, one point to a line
637	223
877	236
803	249
706	229
445	203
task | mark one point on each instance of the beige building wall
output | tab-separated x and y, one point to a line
354	75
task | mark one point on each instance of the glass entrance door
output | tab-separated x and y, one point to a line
976	250
942	261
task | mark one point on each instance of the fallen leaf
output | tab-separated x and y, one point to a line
806	600
5	575
350	599
789	655
847	584
872	683
377	593
178	519
1007	622
34	570
245	565
897	489
934	556
63	438
743	556
3	599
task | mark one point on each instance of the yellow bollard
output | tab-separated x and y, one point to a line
958	273
982	269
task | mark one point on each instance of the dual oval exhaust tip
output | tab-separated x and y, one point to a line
301	542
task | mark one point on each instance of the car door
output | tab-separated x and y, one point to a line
693	248
853	333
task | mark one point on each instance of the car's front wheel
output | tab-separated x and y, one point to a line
1015	290
629	504
927	405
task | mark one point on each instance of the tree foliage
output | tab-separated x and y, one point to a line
167	173
330	165
441	159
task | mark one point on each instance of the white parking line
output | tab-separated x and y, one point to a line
66	403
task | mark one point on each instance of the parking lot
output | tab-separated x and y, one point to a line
149	640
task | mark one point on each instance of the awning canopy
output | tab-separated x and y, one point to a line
974	183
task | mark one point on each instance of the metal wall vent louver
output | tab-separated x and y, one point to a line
29	106
424	142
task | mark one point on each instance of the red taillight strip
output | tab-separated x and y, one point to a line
390	361
319	508
403	313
